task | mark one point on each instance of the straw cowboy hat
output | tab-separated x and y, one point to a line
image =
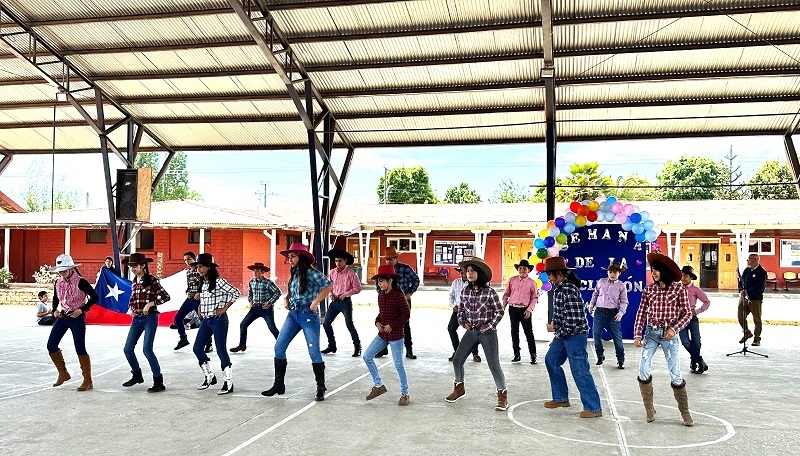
688	270
523	263
671	266
391	252
556	264
299	250
63	263
615	266
258	265
477	262
206	259
339	253
137	258
386	271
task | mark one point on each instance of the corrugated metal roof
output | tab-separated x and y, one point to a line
414	72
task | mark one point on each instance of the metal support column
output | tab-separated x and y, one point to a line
112	216
549	77
791	155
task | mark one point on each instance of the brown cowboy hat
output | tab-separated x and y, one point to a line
391	252
258	265
655	257
523	263
688	270
206	259
616	266
136	258
299	250
386	271
339	253
477	262
556	264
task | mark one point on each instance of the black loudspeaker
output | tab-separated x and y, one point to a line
133	194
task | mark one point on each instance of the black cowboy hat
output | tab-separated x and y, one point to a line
688	270
616	266
339	253
523	263
258	265
137	258
206	259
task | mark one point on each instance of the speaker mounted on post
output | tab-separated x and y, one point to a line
134	194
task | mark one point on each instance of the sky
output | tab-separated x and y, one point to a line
239	179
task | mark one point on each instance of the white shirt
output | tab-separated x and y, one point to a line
455	291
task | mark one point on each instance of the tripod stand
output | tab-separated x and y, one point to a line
744	351
743	311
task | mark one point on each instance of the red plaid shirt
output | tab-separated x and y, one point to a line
393	310
140	296
668	308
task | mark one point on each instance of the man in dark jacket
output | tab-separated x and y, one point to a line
752	283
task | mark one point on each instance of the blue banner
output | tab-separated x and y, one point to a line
113	290
591	248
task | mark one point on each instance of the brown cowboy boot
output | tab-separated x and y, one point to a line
61	367
646	388
683	403
458	392
86	369
502	400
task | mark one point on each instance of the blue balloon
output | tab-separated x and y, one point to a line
627	226
637	228
569	217
640	237
549	241
650	235
569	228
538	243
559	222
636	217
648	224
611	200
609	216
543	277
605	207
645	215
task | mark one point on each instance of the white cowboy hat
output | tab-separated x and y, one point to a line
63	263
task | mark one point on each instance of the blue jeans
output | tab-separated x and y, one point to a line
338	306
218	327
604	319
254	314
574	349
396	346
690	338
147	324
652	340
187	307
60	327
297	320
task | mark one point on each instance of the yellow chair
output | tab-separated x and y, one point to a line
789	277
772	279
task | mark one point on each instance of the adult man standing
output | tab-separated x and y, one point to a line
752	283
520	297
409	282
345	284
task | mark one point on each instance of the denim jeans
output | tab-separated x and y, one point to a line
452	327
690	338
298	320
652	340
60	327
218	327
517	316
147	324
187	307
469	342
604	319
396	346
338	306
572	348
254	314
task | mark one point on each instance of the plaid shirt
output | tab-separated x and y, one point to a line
192	282
222	294
409	280
610	295
482	309
521	292
316	283
141	296
262	290
393	310
667	308
569	317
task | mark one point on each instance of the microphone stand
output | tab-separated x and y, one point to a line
744	351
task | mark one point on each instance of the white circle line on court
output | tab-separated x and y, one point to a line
730	431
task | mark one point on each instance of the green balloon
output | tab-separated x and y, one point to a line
541	253
561	238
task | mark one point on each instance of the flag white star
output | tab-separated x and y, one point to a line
114	292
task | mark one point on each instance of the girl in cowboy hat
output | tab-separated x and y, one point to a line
456	288
690	335
216	297
75	296
146	294
608	305
393	313
307	288
520	298
570	327
479	312
665	307
345	284
262	293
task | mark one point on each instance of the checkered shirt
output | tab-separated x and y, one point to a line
316	282
263	290
393	310
222	294
663	308
193	281
140	295
482	309
569	317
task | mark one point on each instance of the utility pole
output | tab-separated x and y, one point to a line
733	176
264	194
385	185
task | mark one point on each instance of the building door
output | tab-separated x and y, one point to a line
372	261
709	262
690	255
728	262
515	250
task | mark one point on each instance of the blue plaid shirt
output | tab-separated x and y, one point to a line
569	318
315	283
409	280
263	290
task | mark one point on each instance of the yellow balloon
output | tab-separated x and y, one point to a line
538	282
580	220
543	234
594	206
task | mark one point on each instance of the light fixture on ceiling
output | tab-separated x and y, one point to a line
547	73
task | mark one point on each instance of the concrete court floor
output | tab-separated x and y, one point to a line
742	405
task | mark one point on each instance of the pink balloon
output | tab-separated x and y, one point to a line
620	218
616	207
628	209
553	251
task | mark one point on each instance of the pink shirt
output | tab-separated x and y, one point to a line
345	282
521	292
696	293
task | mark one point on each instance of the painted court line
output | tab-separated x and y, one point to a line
623	441
77	379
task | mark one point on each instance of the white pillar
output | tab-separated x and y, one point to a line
133	247
66	240
272	236
674	250
480	242
8	247
421	252
363	252
742	247
202	248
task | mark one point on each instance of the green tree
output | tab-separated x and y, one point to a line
406	186
37	195
174	184
699	173
584	182
509	192
461	194
771	172
540	194
623	189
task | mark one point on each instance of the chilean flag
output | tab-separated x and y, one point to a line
114	293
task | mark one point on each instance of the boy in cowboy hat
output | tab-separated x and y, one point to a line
262	293
665	307
607	306
690	335
570	327
520	298
345	284
409	282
